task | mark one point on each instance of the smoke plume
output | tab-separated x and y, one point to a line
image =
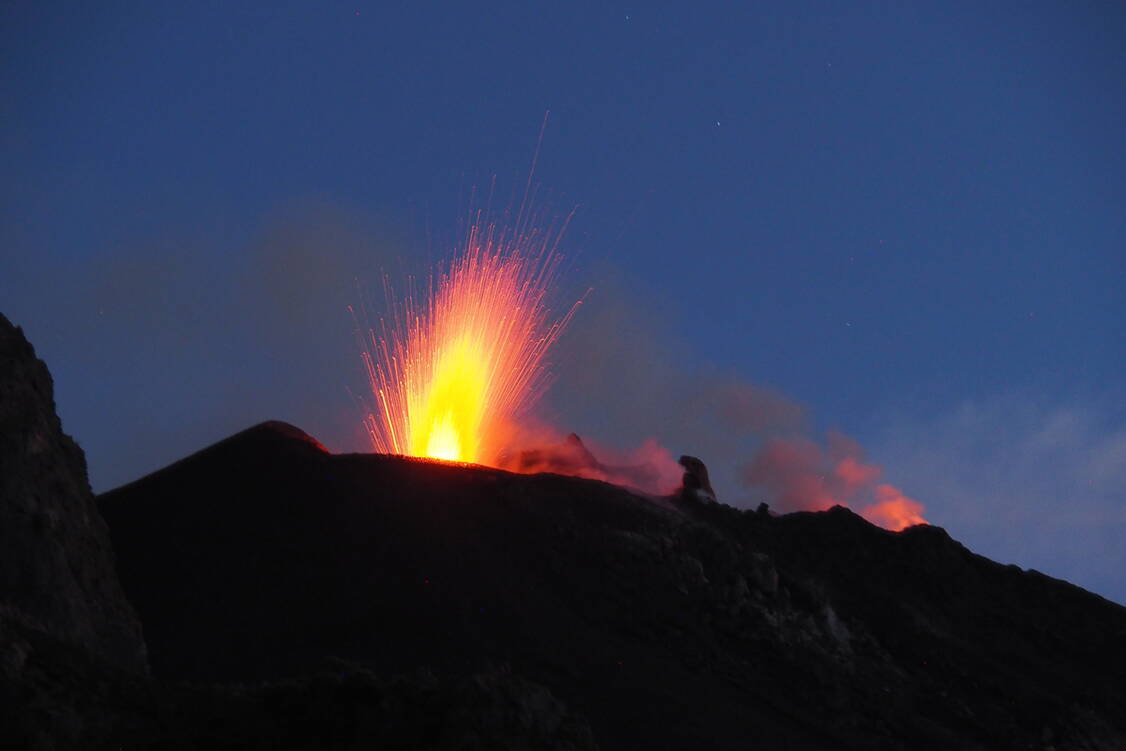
622	373
802	475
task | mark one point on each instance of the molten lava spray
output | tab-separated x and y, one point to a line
449	376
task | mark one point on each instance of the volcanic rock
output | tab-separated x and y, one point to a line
57	570
346	706
696	486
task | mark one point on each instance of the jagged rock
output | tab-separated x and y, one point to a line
696	486
57	570
834	626
689	574
346	706
763	574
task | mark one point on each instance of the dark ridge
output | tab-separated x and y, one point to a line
682	625
276	429
272	438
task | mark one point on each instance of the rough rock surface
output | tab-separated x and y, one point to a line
57	570
696	486
67	702
347	706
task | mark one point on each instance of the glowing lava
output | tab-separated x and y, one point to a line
893	510
448	377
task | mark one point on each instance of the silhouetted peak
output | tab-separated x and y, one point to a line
277	430
267	442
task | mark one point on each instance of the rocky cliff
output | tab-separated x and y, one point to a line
57	568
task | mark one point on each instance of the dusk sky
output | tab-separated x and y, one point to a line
904	221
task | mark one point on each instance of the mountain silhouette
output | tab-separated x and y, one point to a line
665	623
265	593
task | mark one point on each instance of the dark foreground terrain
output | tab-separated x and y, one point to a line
291	598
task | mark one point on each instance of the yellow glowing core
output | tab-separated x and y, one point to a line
450	371
448	425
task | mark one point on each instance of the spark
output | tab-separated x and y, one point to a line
449	375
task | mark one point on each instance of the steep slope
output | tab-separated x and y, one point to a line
57	572
666	624
66	630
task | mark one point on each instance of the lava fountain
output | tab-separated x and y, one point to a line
449	374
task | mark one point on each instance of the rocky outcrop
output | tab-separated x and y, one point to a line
57	570
696	486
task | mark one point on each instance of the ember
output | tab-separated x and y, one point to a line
450	373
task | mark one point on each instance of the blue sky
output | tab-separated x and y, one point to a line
906	218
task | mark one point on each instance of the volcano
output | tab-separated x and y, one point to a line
665	623
294	598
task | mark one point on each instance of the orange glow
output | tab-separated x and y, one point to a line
449	377
893	510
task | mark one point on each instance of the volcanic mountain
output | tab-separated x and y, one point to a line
296	599
666	623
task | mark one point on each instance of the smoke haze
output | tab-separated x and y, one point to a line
624	375
162	344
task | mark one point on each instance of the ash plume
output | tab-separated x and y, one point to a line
648	467
802	475
221	331
623	375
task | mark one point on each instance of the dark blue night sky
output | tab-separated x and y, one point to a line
908	218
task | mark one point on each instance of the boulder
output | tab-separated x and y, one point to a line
696	486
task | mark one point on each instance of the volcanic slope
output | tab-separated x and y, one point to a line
666	624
